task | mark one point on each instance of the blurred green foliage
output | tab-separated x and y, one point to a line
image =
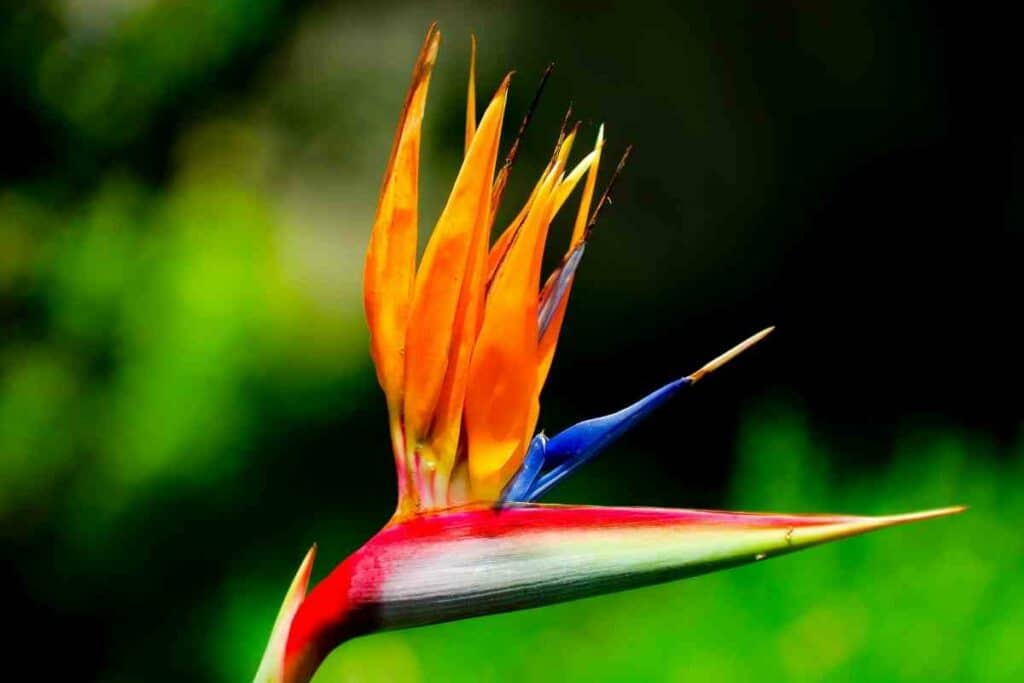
150	305
186	401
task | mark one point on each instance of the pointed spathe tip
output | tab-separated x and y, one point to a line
271	666
922	515
853	526
305	569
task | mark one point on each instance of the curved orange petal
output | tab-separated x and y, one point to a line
391	257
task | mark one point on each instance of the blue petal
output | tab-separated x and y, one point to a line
548	461
518	490
569	449
565	273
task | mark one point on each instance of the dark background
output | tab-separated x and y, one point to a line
185	398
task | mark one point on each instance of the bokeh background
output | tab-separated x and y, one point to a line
186	397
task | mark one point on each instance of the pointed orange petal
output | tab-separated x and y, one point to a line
391	257
588	192
447	422
565	148
439	282
502	382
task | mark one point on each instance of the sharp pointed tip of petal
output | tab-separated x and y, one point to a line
724	358
501	94
306	568
300	584
431	45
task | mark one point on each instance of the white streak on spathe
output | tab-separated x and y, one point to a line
468	577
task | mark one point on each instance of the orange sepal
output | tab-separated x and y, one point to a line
502	375
390	264
439	282
447	422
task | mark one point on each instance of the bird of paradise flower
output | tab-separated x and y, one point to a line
462	346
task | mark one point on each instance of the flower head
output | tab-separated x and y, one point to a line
462	343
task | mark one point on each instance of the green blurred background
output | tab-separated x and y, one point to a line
187	402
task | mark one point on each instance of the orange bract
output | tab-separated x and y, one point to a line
457	344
